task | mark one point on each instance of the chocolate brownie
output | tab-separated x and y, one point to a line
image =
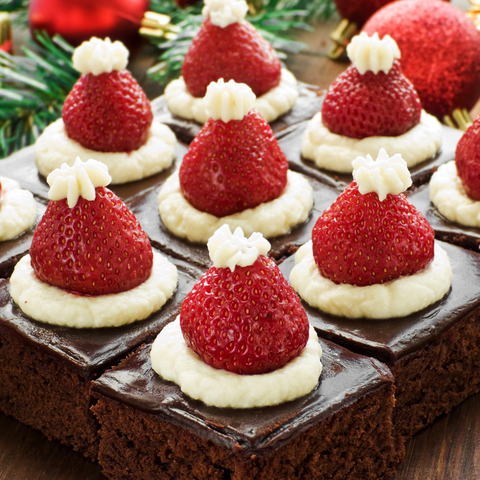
433	354
46	370
21	167
446	230
309	102
291	145
150	429
145	208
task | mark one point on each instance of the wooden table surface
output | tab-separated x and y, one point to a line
449	449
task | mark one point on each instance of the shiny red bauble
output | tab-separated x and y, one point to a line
440	49
79	20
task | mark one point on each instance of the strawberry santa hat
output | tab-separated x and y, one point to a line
372	97
242	331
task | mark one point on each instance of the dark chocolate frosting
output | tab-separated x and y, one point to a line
309	102
345	378
466	237
291	144
92	350
392	339
145	208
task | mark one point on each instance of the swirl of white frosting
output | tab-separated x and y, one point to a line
77	181
100	56
371	53
228	250
228	101
382	176
223	13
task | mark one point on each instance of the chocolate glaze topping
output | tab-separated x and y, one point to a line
309	102
390	340
92	350
345	378
291	145
451	232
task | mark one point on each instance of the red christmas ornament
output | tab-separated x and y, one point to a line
79	20
359	11
440	50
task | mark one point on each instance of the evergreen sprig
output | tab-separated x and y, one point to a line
20	8
33	89
277	21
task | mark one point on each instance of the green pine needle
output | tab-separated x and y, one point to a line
33	89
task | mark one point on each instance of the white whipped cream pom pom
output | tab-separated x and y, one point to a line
386	175
77	181
228	101
100	56
228	250
225	12
372	54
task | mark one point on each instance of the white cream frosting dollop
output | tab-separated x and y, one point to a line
52	305
372	54
79	180
228	101
225	12
173	360
54	148
273	218
449	196
335	152
98	56
386	175
229	249
381	301
18	210
270	106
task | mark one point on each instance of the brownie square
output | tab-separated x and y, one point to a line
145	208
433	354
446	230
309	102
342	429
46	370
291	145
21	167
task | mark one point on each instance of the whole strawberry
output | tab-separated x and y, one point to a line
106	110
232	49
370	99
370	238
232	164
467	160
244	319
95	246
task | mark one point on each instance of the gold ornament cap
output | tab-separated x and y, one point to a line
5	33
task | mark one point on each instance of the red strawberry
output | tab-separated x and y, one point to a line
362	241
359	11
108	112
467	159
368	105
233	166
237	52
97	247
248	321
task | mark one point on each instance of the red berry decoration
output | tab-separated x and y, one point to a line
359	11
237	52
440	51
95	248
381	104
248	321
108	112
362	241
231	166
467	160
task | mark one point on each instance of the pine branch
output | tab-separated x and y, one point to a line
32	90
277	21
20	8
